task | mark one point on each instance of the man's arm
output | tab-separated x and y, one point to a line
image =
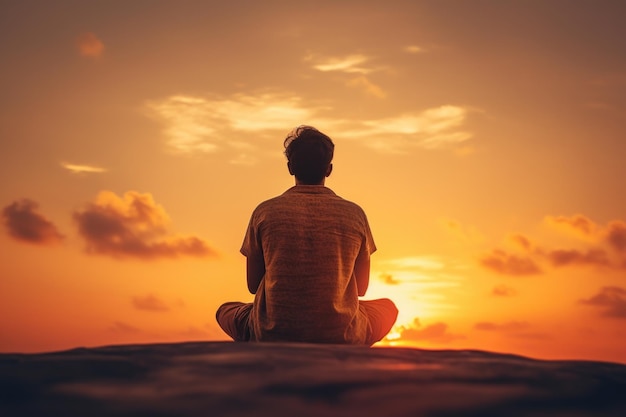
255	270
362	272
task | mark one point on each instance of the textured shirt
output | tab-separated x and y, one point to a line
309	239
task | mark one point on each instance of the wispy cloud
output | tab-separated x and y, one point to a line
356	66
434	128
24	223
466	233
503	291
368	87
612	301
82	169
576	225
193	124
123	328
414	49
89	45
350	64
420	262
133	226
149	303
511	326
203	124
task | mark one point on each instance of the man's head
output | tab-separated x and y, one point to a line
309	153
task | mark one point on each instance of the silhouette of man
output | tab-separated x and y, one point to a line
308	260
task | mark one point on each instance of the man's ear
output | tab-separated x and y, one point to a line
289	168
329	170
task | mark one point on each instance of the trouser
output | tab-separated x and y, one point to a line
234	318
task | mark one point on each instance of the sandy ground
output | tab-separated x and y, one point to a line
231	379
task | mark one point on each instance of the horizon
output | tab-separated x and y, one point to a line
484	142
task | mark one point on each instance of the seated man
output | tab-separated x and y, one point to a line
308	260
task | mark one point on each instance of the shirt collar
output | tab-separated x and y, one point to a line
310	189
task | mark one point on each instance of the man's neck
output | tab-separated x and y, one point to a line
301	183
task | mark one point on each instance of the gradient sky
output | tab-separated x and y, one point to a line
484	139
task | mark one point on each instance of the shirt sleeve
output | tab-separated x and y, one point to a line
369	238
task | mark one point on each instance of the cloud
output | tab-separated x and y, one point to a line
89	45
418	262
81	169
510	264
149	303
503	291
522	242
616	235
465	233
389	279
577	224
511	326
433	128
123	328
605	248
565	257
24	223
193	332
437	332
195	124
611	299
133	226
202	124
349	64
613	234
511	329
363	83
414	49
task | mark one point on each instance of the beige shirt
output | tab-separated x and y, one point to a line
309	239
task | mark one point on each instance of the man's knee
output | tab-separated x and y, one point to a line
391	311
232	317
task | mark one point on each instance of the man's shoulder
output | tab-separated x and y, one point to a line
296	196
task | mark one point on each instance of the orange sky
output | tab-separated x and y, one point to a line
485	141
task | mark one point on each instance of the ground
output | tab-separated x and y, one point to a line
238	379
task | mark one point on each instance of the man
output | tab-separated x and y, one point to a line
308	260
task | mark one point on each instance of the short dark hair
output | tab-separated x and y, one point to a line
309	153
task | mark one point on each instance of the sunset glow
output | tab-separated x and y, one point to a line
484	140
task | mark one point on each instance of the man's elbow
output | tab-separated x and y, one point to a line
361	289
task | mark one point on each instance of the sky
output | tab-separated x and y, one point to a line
485	140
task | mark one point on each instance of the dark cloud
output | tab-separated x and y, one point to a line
503	291
24	223
522	241
616	235
89	45
511	326
437	332
510	264
150	303
123	328
565	257
133	226
612	301
516	329
605	248
193	332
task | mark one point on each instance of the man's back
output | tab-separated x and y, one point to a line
310	239
308	260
